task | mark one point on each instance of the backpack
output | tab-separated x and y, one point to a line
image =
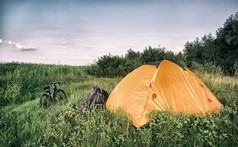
97	98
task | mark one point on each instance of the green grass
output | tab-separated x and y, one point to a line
24	123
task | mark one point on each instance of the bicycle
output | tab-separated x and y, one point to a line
47	98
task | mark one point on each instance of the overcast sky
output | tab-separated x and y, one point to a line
77	32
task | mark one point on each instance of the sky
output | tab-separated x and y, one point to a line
77	32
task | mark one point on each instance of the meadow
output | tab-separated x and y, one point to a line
24	123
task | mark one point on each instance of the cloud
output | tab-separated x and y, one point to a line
21	46
64	43
9	42
0	41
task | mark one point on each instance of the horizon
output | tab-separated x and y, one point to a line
78	32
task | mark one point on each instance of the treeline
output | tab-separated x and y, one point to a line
115	66
220	52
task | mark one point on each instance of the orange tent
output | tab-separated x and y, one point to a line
161	85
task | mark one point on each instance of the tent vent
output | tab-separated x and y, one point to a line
154	95
209	100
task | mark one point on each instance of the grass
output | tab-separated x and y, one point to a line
24	123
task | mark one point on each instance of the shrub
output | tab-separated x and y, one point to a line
107	66
236	67
218	129
153	54
115	66
207	67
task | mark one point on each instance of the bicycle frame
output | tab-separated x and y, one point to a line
53	91
52	94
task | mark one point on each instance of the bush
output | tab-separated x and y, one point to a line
154	54
236	67
180	129
107	66
207	67
115	66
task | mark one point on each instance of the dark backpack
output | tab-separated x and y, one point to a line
97	98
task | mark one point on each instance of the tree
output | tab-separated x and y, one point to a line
193	52
209	52
221	51
152	54
227	44
179	58
132	55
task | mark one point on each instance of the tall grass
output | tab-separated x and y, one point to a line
22	82
23	123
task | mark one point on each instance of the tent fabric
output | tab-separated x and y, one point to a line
161	86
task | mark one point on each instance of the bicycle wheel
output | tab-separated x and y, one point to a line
44	101
60	95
